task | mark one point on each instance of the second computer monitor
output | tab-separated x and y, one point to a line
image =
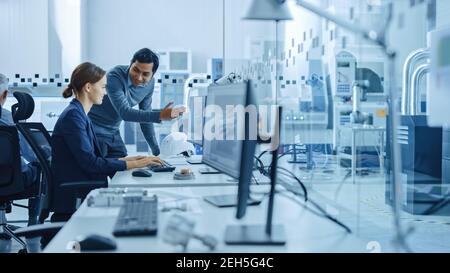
197	103
223	127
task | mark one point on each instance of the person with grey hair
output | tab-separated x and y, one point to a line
28	160
6	115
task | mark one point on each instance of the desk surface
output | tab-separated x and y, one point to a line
305	231
165	179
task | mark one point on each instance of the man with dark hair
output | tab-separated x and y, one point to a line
128	86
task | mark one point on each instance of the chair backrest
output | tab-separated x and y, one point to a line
40	142
11	181
24	107
38	138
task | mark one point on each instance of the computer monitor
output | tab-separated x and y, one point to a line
222	142
197	103
267	234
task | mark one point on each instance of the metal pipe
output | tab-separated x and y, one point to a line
417	78
372	35
356	98
411	61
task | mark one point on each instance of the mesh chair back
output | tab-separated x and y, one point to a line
10	165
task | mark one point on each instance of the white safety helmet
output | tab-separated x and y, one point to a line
176	144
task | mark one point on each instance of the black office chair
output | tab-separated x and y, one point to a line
24	107
12	186
40	142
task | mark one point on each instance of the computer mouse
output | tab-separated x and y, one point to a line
141	173
96	242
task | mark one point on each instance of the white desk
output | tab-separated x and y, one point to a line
305	232
165	179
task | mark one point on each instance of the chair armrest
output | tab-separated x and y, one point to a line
84	185
49	229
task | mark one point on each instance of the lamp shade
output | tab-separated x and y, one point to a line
274	10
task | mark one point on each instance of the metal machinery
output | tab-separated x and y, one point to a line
420	144
306	118
425	149
359	98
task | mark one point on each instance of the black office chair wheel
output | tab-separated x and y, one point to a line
24	250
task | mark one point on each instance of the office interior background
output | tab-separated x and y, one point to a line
337	89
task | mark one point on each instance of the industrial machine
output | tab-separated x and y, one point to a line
358	94
425	149
359	98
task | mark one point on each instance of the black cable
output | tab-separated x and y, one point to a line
290	150
305	195
298	180
323	213
284	153
438	205
260	162
261	154
254	179
261	168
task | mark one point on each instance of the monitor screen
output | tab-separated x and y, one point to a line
196	119
222	148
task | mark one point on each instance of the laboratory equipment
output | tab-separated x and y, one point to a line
215	68
195	92
439	92
367	106
414	59
421	146
359	95
175	61
171	90
176	144
343	74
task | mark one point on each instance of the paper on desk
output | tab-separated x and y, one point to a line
185	200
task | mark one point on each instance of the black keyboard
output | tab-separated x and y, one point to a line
137	217
165	167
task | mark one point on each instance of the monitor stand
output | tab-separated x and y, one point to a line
208	170
255	235
226	201
195	160
267	234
